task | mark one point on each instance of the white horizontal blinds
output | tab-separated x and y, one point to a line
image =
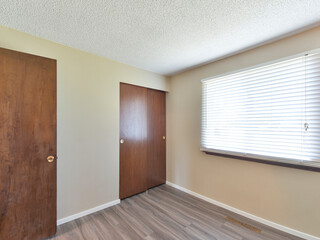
272	111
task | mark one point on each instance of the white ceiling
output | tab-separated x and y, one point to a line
162	36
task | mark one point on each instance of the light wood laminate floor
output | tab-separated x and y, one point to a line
164	213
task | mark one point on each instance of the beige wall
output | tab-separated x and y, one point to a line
88	119
286	196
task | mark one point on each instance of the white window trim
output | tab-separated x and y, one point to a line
261	65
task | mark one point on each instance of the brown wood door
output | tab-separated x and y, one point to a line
133	133
27	138
156	170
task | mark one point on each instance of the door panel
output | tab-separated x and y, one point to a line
156	138
133	131
27	138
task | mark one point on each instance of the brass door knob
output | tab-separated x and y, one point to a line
121	141
50	159
164	137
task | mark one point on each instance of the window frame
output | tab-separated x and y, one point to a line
277	161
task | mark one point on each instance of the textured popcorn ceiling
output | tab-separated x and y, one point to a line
163	36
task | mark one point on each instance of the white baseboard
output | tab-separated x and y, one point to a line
248	215
87	212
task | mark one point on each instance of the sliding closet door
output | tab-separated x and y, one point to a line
133	140
27	146
156	138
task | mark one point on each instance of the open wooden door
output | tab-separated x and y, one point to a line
27	146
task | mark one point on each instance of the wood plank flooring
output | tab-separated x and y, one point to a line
165	213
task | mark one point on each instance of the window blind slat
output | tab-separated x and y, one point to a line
271	112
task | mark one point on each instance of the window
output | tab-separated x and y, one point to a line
269	112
